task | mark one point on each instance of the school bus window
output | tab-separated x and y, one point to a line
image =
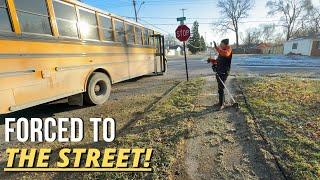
151	39
33	16
146	37
157	44
88	25
120	33
66	19
106	27
130	33
138	36
3	3
5	24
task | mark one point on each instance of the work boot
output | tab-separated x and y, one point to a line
221	99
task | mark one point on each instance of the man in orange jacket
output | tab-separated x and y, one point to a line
222	66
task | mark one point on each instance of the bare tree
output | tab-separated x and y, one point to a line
252	37
268	31
310	23
232	12
290	11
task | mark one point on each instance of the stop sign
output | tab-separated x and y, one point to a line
183	33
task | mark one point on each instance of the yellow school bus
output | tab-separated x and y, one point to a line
54	49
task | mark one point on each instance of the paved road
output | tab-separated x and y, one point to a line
251	65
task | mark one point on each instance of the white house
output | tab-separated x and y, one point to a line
308	46
174	50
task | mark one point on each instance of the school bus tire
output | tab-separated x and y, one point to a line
98	89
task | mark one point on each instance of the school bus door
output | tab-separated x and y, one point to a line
161	61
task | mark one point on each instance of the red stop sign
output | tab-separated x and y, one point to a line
183	33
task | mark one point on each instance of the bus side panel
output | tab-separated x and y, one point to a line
6	100
141	62
33	73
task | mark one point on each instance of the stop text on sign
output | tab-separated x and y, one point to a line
183	33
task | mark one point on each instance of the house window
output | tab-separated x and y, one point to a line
88	25
295	46
106	27
5	24
33	16
66	19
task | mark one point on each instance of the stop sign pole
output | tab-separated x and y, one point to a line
183	34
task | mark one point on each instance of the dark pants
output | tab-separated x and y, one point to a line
223	77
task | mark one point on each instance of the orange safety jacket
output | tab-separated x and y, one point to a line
224	60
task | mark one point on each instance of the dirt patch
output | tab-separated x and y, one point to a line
221	145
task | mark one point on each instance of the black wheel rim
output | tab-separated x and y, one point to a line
100	88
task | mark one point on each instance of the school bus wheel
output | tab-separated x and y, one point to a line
98	89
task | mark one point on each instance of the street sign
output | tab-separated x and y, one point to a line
181	19
183	33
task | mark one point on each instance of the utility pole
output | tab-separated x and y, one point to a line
135	9
183	10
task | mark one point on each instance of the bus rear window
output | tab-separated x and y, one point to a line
5	24
33	16
66	17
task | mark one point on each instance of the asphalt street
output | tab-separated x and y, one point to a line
249	65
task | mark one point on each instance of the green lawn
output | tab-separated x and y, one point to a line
288	113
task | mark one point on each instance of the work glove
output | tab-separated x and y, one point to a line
215	44
214	68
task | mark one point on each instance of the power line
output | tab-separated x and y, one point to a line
209	18
155	26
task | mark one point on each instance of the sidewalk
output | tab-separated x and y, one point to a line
221	145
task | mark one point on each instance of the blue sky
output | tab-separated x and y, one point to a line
163	14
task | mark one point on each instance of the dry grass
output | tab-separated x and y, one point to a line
288	111
163	129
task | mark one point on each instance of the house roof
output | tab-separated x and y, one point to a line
263	46
313	36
